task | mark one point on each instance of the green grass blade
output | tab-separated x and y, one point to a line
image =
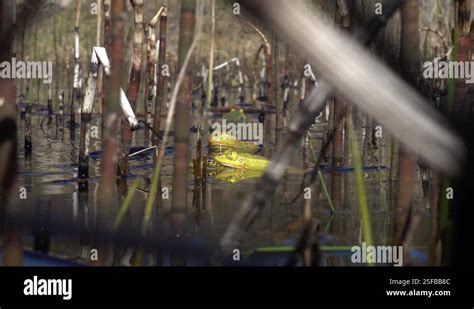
125	204
360	185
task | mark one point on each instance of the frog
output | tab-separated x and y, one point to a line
241	161
233	176
227	141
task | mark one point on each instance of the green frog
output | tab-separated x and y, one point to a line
235	176
245	161
227	141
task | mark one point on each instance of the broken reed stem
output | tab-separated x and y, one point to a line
150	66
107	22
134	85
98	33
86	116
75	88
255	74
107	34
260	33
98	41
160	76
169	120
266	51
211	53
360	185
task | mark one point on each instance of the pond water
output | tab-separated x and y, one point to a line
49	177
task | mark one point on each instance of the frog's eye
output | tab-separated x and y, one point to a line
232	155
241	161
211	162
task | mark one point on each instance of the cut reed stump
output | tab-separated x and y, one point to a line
160	78
150	67
75	89
86	115
181	122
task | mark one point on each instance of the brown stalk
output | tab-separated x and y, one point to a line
133	87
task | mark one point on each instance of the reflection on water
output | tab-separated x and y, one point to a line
49	177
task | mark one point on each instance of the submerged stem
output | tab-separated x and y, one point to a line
125	204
